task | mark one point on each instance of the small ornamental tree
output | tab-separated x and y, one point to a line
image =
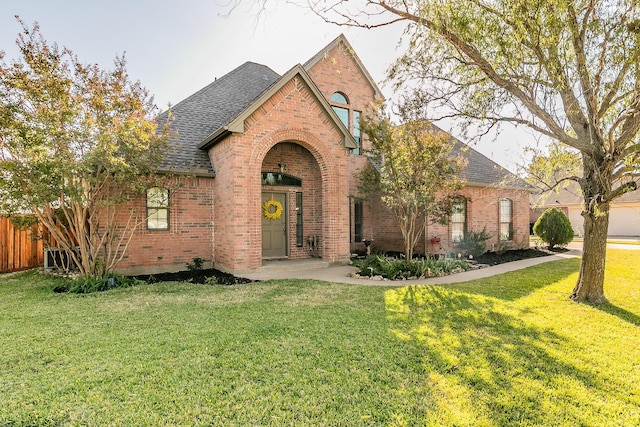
554	228
77	146
415	173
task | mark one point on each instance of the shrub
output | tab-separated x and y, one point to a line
86	285
473	243
554	228
197	264
399	268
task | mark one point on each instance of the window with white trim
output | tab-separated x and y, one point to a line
506	219
157	208
458	219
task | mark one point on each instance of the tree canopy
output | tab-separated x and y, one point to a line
568	69
76	143
416	173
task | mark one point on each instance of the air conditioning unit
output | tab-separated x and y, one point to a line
57	258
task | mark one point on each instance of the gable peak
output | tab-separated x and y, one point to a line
341	39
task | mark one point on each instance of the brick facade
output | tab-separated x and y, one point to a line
293	131
483	209
289	121
190	233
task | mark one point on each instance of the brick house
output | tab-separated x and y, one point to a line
624	212
270	165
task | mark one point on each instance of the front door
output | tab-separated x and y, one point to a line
274	225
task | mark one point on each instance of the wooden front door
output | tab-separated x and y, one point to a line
274	227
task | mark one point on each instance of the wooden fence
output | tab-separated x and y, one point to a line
20	249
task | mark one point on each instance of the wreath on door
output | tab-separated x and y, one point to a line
272	209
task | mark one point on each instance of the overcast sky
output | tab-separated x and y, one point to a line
177	47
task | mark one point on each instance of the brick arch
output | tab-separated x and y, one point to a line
305	139
332	177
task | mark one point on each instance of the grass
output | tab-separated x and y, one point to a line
508	350
626	241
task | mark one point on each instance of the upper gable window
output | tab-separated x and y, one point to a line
339	98
349	118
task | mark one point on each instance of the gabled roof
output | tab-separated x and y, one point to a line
325	50
480	170
237	124
202	114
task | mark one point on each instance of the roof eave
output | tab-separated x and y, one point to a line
500	185
201	173
216	137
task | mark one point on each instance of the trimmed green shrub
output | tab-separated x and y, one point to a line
554	228
473	243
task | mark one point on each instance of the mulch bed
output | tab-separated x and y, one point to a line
196	276
200	276
494	258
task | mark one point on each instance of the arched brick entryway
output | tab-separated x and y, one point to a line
322	168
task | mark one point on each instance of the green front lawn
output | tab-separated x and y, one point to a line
504	351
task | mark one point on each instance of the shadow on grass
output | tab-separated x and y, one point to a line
619	312
517	284
483	364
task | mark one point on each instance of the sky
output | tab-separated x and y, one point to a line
174	48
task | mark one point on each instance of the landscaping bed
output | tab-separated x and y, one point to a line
495	258
208	276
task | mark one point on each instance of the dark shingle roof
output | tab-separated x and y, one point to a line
484	171
208	110
480	170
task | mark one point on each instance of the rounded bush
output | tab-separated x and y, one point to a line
554	228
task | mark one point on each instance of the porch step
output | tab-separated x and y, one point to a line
292	265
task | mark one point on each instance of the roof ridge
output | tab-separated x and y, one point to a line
220	80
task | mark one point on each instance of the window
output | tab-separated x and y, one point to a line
157	208
357	221
458	219
299	229
347	117
343	115
277	178
339	98
356	132
506	219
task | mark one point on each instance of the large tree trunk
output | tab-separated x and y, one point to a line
590	286
596	187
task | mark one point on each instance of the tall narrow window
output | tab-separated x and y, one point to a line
299	224
342	110
343	115
340	105
506	219
157	208
458	219
357	221
356	132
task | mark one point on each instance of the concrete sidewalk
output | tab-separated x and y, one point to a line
318	270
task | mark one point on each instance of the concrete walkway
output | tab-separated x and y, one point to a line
317	269
320	270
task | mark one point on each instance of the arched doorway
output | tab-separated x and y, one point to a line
291	207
